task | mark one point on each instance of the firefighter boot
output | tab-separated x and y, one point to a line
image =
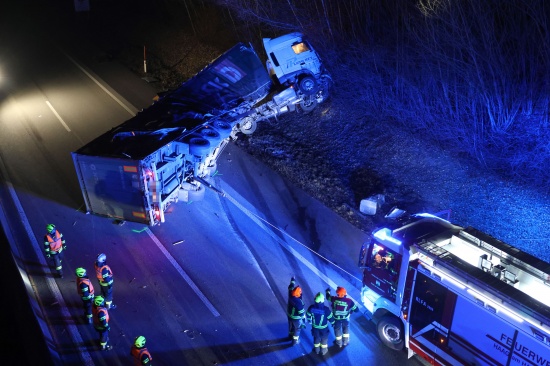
338	342
324	350
106	347
345	339
317	348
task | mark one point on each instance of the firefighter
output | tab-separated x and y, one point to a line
54	244
295	311
101	322
342	307
105	277
140	353
319	316
86	292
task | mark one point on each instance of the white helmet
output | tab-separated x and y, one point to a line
101	258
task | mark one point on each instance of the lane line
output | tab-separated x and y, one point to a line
133	113
52	285
183	273
260	222
58	116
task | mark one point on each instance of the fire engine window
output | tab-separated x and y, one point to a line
300	47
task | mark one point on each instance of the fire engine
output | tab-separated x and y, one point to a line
455	295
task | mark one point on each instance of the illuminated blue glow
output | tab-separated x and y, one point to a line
430	215
385	234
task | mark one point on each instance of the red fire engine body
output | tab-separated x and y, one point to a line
456	296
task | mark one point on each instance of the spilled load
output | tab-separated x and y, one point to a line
168	151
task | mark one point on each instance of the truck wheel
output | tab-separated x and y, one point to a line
307	104
248	125
307	85
197	195
212	136
390	331
199	146
223	127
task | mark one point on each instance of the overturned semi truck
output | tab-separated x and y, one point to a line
168	151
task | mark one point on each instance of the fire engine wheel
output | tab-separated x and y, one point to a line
248	125
307	85
390	331
199	146
197	195
307	104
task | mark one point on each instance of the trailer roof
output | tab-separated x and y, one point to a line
234	78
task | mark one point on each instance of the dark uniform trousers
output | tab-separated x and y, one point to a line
320	336
341	330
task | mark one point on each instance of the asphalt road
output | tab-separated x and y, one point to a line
206	287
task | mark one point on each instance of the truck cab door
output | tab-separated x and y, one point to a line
382	268
292	58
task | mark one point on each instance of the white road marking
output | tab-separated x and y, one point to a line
58	116
52	285
183	273
260	222
133	113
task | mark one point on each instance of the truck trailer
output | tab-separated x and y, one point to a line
455	295
168	151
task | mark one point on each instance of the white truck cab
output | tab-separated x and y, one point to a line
292	61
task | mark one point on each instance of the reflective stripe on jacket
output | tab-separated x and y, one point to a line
342	307
319	316
295	308
138	354
85	288
105	279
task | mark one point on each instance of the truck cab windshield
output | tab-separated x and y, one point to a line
384	267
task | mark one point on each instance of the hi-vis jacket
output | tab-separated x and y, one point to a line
54	245
342	307
319	316
141	356
85	288
104	275
101	318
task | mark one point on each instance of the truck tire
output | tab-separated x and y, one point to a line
212	136
307	104
199	146
223	127
248	125
307	85
390	331
197	195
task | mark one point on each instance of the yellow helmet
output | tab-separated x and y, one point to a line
140	342
319	298
99	300
80	272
